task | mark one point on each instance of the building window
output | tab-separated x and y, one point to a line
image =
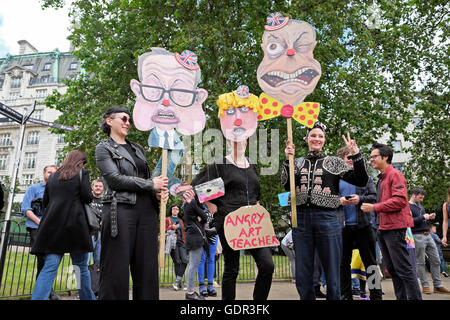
30	160
41	93
397	146
3	159
16	82
5	139
37	114
33	137
73	66
60	138
14	95
47	66
399	166
45	79
27	179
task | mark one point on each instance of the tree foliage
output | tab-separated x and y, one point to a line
375	63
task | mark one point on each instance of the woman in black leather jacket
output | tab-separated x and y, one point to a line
130	213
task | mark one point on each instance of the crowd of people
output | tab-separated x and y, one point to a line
335	199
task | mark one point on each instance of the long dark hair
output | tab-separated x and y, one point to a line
72	164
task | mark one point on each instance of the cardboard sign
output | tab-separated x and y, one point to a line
249	227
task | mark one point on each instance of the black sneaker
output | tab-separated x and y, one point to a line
194	296
445	274
54	296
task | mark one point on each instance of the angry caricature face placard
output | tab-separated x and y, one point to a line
288	71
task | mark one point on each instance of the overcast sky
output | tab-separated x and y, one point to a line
25	20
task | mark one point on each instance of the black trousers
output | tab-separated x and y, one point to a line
399	264
364	240
179	258
135	250
264	263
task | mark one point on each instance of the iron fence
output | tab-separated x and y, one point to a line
20	267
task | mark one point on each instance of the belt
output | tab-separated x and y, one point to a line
114	226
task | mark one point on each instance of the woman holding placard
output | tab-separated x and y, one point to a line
238	111
317	195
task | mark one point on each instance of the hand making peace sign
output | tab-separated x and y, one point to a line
351	144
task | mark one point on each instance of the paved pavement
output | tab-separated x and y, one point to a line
285	290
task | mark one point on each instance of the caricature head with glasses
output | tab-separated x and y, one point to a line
167	96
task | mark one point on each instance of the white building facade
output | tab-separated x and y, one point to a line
24	78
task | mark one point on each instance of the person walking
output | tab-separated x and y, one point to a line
64	227
317	179
130	213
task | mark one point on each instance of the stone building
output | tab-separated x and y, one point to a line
24	78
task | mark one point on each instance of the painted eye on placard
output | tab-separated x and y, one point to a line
274	48
230	111
243	109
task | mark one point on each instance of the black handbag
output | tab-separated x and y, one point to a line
91	216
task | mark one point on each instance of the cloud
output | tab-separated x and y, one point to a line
45	29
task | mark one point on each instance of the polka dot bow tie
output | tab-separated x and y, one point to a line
305	113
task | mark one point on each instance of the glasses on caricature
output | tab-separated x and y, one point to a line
181	97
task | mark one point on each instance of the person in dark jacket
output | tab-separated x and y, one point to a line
178	254
357	231
64	227
195	219
392	208
317	179
130	213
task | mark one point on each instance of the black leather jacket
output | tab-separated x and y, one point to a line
119	172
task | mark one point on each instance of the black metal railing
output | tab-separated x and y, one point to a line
20	267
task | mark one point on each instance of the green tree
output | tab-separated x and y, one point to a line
371	57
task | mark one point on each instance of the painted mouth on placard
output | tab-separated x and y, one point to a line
165	117
239	131
304	76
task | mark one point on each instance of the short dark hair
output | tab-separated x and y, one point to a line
108	113
385	151
418	190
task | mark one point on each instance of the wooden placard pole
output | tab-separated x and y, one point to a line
162	214
292	176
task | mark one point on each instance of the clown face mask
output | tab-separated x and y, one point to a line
238	114
288	71
167	96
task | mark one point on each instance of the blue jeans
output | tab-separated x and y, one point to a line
44	282
321	230
97	244
210	264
